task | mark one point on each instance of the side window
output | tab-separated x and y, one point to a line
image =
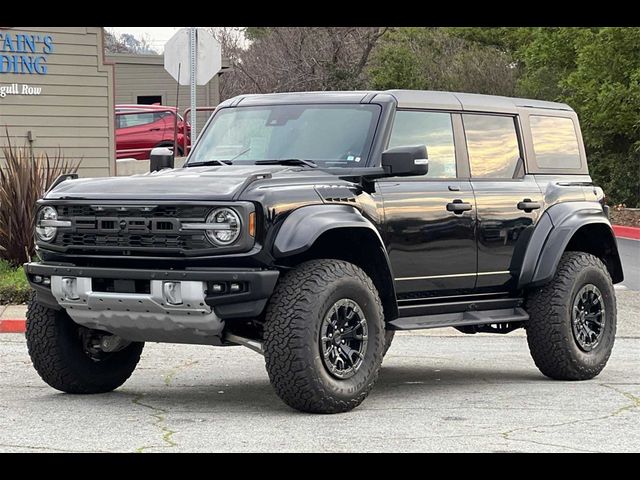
492	143
128	120
555	142
433	129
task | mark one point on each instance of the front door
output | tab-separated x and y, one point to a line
430	220
508	202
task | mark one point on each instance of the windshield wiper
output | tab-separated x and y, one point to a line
289	161
209	162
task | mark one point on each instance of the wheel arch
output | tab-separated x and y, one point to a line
573	226
323	231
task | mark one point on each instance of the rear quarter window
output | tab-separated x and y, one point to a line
555	142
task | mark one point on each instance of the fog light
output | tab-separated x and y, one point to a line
172	293
217	288
70	288
46	281
235	287
37	279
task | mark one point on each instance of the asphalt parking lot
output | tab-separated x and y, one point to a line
438	391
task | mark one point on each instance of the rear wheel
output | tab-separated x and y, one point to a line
69	357
324	337
572	324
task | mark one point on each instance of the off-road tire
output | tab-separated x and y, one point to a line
292	330
552	343
59	358
388	340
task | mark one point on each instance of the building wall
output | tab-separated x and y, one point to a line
144	75
75	108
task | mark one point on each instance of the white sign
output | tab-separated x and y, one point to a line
209	57
19	89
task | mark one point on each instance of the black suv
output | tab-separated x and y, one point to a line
311	226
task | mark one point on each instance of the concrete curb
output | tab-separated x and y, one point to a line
632	233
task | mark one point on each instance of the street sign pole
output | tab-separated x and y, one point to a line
198	50
193	65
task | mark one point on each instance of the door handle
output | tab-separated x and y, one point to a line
458	206
154	129
528	206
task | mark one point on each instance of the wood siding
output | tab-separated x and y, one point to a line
75	111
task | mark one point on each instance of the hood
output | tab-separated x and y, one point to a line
195	183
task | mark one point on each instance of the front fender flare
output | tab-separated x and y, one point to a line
305	225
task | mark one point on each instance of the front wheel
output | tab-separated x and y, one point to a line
68	358
324	337
572	324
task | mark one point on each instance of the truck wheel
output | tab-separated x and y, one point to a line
64	359
324	337
388	340
572	324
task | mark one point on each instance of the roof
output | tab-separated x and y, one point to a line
468	101
405	99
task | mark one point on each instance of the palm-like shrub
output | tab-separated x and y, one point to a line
24	178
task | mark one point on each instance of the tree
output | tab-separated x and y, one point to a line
287	59
127	43
434	59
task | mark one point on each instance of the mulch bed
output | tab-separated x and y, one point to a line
629	217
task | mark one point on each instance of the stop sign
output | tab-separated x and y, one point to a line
176	56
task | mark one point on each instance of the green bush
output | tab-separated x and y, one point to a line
14	288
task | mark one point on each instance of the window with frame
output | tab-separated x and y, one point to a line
128	120
433	129
492	143
555	142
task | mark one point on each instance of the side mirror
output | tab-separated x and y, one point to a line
405	161
160	158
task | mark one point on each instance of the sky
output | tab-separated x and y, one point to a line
157	36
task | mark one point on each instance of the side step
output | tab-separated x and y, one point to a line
459	319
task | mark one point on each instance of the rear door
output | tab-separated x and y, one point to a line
430	219
138	132
508	202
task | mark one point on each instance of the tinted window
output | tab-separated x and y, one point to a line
555	142
492	142
432	129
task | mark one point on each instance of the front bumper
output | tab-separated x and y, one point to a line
146	315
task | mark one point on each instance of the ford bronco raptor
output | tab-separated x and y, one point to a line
311	227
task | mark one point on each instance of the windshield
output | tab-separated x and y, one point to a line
328	135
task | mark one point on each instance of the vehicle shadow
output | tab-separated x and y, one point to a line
257	395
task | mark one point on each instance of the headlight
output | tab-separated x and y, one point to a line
226	226
46	215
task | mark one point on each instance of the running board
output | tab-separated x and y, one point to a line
459	319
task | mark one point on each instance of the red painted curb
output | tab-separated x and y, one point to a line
12	326
627	232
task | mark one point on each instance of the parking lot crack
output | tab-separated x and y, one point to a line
635	403
39	448
159	415
168	378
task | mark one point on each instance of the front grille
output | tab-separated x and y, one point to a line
147	229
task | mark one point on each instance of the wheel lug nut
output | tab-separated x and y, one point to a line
342	341
341	330
330	335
